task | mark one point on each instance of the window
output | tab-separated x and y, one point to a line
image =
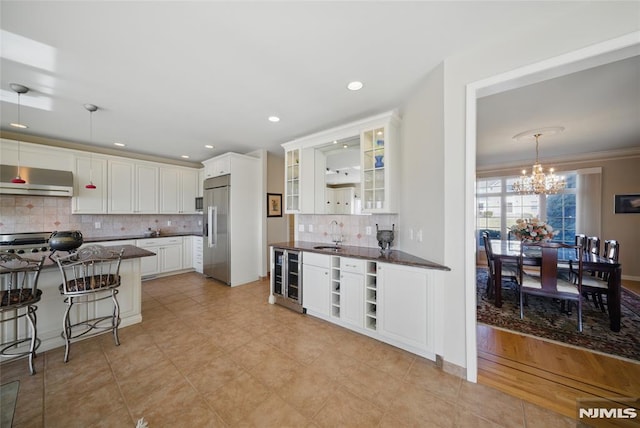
494	194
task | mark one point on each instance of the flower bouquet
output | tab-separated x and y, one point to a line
533	230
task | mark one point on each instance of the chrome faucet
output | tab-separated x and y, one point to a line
336	237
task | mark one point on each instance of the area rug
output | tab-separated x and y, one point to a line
8	397
543	318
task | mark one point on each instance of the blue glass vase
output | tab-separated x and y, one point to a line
379	163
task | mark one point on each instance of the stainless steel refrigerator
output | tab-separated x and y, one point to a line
216	256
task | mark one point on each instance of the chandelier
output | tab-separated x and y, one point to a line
538	182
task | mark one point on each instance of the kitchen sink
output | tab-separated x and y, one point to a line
327	247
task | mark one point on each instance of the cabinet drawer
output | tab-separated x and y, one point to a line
159	241
314	259
352	265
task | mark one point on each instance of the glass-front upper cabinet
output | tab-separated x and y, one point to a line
358	157
378	146
373	169
292	181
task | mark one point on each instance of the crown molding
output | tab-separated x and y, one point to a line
44	141
560	161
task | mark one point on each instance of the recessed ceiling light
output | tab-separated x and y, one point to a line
355	85
274	119
335	141
184	157
345	146
119	144
208	146
18	125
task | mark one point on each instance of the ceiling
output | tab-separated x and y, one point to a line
598	107
172	77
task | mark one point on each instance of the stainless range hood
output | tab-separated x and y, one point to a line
40	182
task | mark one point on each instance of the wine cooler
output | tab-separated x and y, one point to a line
286	278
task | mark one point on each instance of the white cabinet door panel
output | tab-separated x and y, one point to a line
146	186
403	306
352	298
316	289
121	190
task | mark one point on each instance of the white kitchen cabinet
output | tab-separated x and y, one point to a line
121	190
197	253
178	190
220	165
316	284
187	252
405	307
168	256
146	189
89	201
300	181
352	292
200	183
133	188
292	181
380	175
307	161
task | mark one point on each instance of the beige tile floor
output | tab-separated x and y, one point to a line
210	355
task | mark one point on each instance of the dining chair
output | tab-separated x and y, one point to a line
593	245
547	283
89	276
564	268
509	270
596	285
18	295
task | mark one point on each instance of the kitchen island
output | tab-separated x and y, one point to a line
51	306
392	296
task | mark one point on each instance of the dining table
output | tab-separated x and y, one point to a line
509	251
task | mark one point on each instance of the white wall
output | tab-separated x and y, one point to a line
592	23
422	150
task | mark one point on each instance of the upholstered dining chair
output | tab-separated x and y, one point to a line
89	276
509	270
546	282
596	285
19	294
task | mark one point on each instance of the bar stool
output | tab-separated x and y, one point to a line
19	291
89	276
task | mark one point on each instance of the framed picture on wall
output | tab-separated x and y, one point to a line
274	204
627	204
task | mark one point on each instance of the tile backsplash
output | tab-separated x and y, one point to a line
46	214
352	228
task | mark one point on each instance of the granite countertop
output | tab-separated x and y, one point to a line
130	252
90	239
368	253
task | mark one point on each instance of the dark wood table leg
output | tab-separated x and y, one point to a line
497	292
614	298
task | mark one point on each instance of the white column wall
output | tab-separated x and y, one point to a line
591	24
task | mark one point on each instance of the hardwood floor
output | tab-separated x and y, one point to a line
549	374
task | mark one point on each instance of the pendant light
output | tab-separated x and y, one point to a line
19	89
91	109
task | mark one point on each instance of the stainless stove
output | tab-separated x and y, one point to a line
21	243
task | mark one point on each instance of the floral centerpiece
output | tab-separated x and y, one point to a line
533	230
